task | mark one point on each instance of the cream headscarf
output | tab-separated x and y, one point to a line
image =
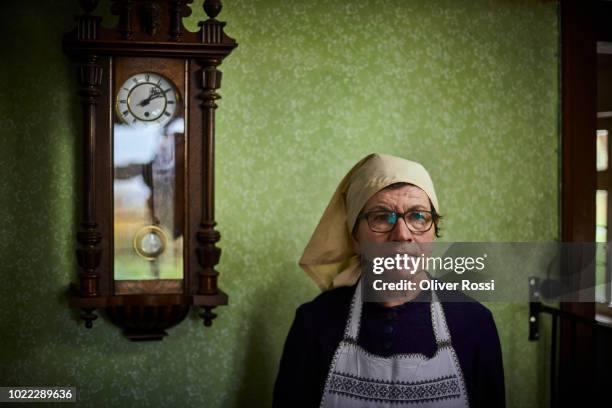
329	258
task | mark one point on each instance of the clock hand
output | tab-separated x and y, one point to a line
154	95
144	102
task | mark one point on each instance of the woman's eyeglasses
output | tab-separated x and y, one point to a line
417	221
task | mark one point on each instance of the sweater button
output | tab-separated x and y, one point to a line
388	329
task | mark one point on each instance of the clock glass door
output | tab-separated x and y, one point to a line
148	175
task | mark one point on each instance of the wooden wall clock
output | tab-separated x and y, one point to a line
147	239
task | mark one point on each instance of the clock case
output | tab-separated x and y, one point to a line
149	35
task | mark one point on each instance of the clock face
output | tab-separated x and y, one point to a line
147	98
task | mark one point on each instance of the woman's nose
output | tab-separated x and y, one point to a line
400	232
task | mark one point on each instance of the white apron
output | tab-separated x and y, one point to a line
357	378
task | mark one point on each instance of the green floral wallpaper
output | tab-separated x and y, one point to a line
468	88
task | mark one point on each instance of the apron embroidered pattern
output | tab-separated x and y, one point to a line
360	379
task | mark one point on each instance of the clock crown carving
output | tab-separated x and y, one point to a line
146	240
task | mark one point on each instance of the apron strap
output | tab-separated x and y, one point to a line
438	320
351	332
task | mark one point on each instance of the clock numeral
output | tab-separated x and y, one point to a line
126	112
135	80
134	120
159	82
125	89
147	77
167	113
170	102
168	90
122	101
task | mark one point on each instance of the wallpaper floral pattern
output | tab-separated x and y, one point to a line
468	88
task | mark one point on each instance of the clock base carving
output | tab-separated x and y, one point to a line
146	317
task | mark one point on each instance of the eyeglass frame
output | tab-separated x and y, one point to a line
433	213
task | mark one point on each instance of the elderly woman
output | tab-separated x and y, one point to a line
420	352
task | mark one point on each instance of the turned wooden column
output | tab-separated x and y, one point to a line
88	235
207	235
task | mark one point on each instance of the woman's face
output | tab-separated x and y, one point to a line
400	200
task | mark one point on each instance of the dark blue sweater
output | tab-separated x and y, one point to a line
319	325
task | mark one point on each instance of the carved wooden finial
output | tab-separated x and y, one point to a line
88	5
212	29
212	8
